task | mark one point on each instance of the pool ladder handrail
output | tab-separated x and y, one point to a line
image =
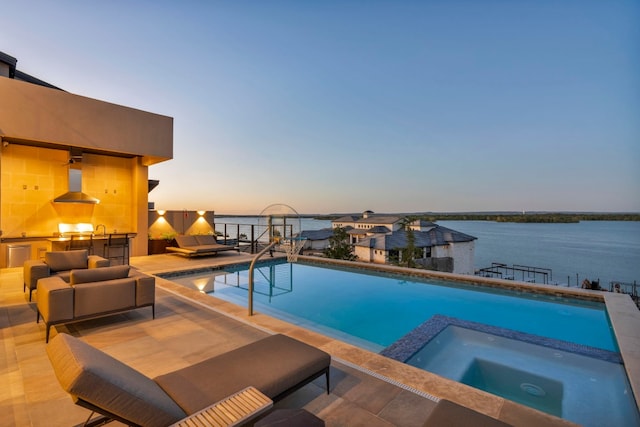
253	263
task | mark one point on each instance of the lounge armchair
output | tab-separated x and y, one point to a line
91	293
276	366
58	263
200	245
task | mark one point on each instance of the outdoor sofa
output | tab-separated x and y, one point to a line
276	366
58	263
90	293
199	245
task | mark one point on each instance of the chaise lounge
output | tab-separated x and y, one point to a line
276	366
200	245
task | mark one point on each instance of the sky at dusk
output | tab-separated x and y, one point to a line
345	106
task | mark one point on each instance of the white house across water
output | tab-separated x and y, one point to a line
380	239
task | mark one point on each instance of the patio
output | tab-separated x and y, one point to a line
367	389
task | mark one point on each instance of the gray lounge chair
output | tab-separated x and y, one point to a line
199	245
276	366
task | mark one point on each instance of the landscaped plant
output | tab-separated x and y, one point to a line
339	246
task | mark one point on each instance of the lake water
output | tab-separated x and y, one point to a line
605	250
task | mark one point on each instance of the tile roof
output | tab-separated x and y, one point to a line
321	234
437	236
347	218
379	229
382	219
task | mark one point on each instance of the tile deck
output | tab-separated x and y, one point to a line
366	388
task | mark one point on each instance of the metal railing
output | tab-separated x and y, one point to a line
251	237
528	273
251	268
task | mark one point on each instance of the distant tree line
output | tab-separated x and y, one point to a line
536	217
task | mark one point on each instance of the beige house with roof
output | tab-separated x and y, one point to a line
69	159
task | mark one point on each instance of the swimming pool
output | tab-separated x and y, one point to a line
374	311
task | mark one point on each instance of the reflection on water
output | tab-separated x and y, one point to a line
269	281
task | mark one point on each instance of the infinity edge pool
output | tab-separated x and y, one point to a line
622	312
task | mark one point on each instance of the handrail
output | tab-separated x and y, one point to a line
249	230
253	263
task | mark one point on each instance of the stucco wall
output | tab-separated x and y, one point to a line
38	114
31	177
462	254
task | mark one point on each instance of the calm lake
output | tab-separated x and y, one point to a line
605	250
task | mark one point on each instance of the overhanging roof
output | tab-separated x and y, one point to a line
36	115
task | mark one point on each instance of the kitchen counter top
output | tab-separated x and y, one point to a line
99	237
18	239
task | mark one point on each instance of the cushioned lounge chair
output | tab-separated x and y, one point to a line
276	366
200	245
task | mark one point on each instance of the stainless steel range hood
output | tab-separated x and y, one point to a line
75	194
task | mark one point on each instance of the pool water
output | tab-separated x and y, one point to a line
375	311
586	390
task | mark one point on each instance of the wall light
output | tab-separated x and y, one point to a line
161	212
201	213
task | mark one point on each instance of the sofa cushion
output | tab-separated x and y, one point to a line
101	380
64	275
203	249
206	239
98	274
93	298
67	260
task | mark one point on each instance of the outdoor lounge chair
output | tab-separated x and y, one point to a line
276	366
200	245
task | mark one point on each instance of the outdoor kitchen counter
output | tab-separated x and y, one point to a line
34	247
99	241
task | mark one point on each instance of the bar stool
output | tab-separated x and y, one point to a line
80	242
117	247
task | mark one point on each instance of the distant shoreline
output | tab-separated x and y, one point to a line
518	217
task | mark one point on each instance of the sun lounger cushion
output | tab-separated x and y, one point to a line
105	382
273	365
186	241
211	248
206	239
